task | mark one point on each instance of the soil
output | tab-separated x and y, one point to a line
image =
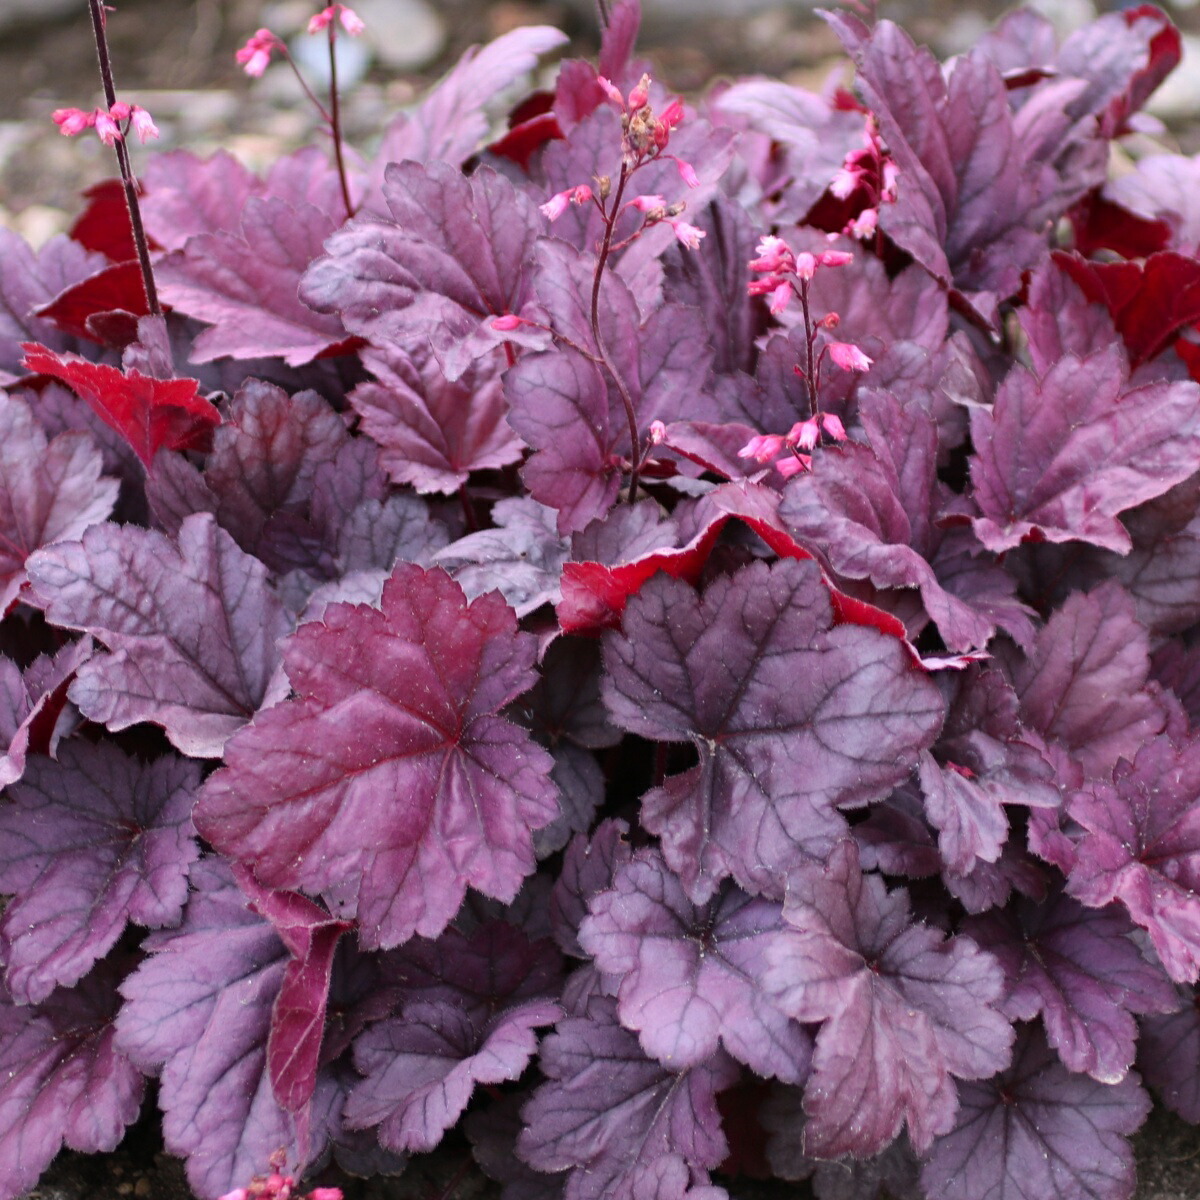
176	58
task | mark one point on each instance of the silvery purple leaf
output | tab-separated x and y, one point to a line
1036	1130
905	1010
618	1118
405	699
420	1068
688	974
198	1012
88	842
152	602
63	1080
755	675
50	491
1079	968
1142	847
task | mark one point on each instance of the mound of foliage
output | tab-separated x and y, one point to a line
661	636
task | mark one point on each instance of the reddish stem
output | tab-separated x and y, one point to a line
335	120
127	179
610	221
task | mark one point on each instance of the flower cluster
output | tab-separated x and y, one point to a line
107	122
350	20
871	172
802	436
278	1186
785	273
256	53
644	137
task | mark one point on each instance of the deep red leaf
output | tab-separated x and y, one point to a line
148	413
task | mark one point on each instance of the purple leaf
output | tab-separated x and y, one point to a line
1163	186
1169	1056
522	558
265	458
187	195
244	285
981	762
63	1081
973	192
1037	1130
904	1009
870	511
569	409
493	1134
618	1117
493	967
589	865
153	605
399	700
89	842
49	491
198	1011
27	281
298	1014
433	432
1084	682
688	974
758	679
31	702
422	1067
455	254
1058	458
1142	847
1079	968
451	122
890	1175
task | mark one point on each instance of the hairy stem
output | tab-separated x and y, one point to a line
606	245
810	336
335	120
127	179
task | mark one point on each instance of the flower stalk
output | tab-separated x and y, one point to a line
119	145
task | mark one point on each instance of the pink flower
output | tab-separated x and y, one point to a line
863	226
107	129
143	123
658	433
640	96
845	181
849	357
686	171
256	53
833	426
781	297
834	258
351	22
611	91
325	1194
687	234
71	121
507	323
806	265
793	465
774	254
762	447
647	203
804	434
557	204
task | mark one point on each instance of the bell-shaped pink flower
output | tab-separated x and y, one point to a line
687	234
256	53
71	121
143	123
849	357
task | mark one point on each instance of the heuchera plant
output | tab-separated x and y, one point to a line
662	636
